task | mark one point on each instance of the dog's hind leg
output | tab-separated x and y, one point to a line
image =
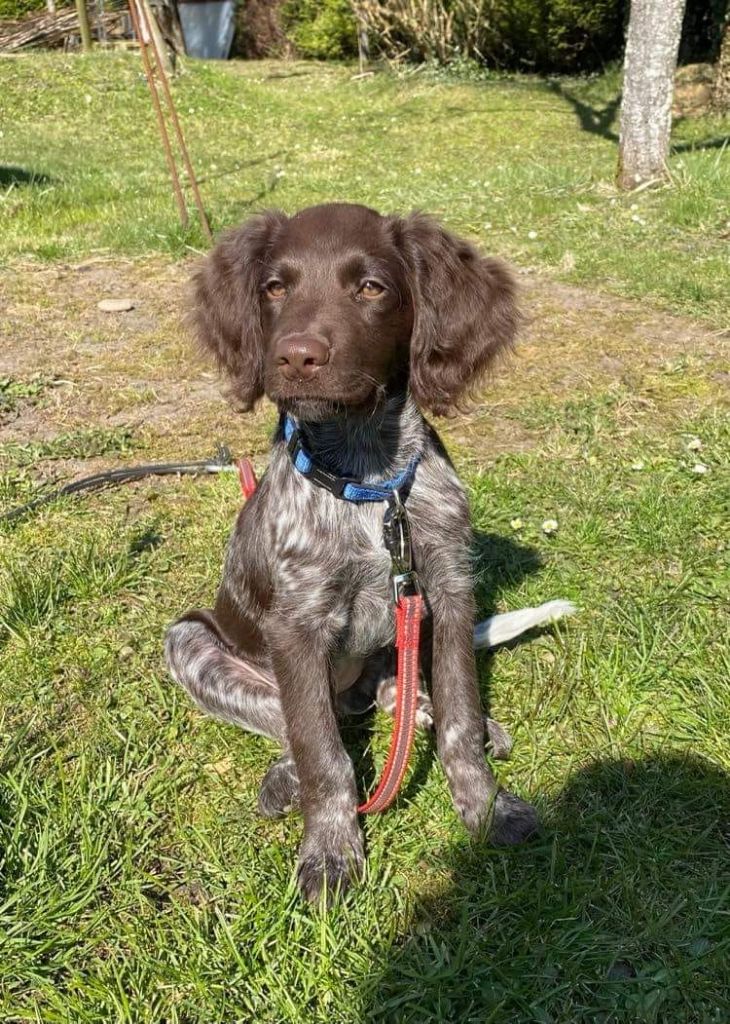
229	687
223	683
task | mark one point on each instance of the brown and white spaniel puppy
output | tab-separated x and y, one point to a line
353	324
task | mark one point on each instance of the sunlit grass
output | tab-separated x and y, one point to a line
137	883
525	166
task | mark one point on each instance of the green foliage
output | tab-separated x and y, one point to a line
543	35
323	30
558	35
12	10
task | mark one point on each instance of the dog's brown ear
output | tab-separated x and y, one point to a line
227	305
465	312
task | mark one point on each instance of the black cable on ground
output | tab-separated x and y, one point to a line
221	461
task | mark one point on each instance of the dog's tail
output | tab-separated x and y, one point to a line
500	628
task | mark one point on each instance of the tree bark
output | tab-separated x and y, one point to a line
652	43
721	87
84	28
168	18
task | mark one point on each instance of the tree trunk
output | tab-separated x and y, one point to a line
168	18
652	43
721	87
84	28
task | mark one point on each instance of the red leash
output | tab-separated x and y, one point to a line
246	477
408	615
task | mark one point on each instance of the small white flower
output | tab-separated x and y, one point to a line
700	468
637	219
550	526
694	444
532	234
516	523
488	225
637	466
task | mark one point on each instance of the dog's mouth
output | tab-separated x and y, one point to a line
306	404
312	410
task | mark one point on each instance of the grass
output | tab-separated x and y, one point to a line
524	166
136	882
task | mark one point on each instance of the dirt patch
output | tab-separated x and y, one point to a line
139	369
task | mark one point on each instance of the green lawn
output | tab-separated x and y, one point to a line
524	166
136	882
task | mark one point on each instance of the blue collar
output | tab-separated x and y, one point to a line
343	486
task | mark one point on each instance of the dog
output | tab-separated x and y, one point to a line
354	324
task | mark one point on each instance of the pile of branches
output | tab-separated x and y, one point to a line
56	28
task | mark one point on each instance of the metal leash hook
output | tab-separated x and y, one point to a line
397	538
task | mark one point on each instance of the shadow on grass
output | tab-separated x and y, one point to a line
717	142
230	172
598	121
620	912
591	119
19	176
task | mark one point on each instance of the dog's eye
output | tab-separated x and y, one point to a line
275	289
371	290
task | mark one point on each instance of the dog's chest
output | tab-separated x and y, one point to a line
363	582
332	567
370	623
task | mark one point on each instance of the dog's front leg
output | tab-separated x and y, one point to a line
331	853
459	727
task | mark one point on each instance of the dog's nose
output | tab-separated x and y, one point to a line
299	356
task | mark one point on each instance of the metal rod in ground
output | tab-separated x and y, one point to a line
204	223
179	197
84	25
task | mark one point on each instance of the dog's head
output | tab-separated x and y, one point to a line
335	307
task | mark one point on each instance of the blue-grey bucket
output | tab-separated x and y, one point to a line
208	27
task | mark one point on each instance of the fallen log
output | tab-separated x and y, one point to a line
53	28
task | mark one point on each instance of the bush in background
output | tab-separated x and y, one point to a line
539	35
12	10
559	35
323	29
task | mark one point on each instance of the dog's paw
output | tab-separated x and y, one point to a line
329	864
498	817
498	742
279	792
424	708
513	821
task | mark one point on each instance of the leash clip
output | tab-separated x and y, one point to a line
397	537
405	584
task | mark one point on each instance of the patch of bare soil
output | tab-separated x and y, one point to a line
139	370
